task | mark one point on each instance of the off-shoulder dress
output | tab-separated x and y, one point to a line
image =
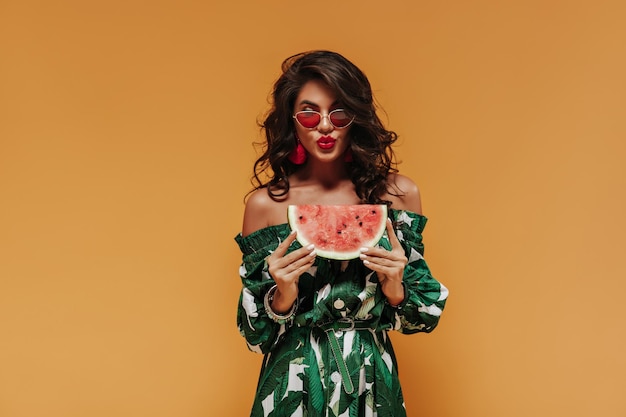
335	358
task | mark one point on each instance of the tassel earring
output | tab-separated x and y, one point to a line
298	155
347	156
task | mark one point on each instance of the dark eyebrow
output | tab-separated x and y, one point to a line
308	103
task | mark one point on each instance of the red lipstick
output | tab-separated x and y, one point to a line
326	142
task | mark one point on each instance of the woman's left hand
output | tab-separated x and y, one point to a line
388	265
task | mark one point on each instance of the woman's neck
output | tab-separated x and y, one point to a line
327	175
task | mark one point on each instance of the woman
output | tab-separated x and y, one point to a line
323	324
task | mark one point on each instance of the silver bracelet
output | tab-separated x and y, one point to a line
278	318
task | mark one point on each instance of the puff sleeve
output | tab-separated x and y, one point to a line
260	331
425	297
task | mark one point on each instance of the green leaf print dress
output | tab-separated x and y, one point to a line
335	359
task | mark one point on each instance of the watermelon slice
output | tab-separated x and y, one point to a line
338	232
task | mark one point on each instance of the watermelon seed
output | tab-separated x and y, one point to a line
360	224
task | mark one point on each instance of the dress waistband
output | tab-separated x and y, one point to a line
344	324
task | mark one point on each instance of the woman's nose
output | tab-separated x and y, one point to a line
325	124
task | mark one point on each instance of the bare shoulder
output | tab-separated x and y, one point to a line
404	194
261	211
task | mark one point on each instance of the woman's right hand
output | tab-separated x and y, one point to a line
286	271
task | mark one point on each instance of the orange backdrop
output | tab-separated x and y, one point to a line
125	152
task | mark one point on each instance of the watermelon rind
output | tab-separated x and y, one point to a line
314	232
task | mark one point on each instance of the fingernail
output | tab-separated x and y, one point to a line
364	249
293	232
366	262
311	247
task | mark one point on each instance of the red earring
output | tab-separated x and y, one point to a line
347	156
298	155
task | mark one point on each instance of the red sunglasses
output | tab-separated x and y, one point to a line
310	119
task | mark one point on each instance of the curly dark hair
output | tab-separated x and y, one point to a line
373	158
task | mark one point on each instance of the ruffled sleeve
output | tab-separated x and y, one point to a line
259	330
425	297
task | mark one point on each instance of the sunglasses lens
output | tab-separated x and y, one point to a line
308	119
339	118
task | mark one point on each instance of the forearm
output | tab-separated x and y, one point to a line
283	301
394	292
